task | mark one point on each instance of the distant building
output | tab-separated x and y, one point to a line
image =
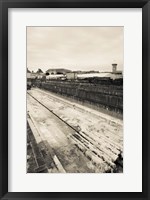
57	71
103	75
114	69
71	75
93	75
28	73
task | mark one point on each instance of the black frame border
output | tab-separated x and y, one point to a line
4	6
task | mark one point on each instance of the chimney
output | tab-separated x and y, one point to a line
114	67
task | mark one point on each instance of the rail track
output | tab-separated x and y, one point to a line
101	151
53	112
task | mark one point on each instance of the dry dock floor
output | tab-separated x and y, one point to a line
71	138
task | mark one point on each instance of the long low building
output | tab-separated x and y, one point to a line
57	71
101	75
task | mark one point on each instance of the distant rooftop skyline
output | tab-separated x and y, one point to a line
95	71
74	48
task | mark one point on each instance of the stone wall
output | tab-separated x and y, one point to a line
107	96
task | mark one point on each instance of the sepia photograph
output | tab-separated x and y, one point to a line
74	99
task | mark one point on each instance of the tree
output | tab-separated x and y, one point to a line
39	71
28	71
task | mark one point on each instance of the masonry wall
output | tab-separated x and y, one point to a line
107	95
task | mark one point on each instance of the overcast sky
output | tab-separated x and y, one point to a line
74	48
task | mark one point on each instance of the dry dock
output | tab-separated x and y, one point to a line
72	138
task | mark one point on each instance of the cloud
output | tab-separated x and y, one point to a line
75	48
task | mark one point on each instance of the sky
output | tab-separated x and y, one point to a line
74	48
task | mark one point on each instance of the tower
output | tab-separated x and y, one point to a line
114	67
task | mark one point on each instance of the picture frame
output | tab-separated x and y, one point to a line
4	96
